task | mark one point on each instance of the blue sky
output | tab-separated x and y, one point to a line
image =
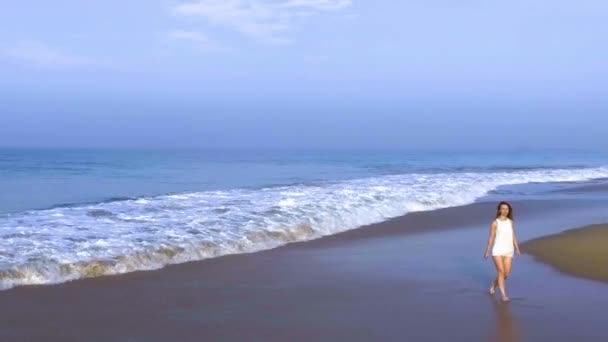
304	73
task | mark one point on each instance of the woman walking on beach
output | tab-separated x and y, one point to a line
502	244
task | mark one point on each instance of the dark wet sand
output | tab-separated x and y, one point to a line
419	277
582	252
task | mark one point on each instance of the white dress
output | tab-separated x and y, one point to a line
503	243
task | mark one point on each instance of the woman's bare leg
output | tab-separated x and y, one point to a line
500	276
508	264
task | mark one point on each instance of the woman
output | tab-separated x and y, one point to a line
503	244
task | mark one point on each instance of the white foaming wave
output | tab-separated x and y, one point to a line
61	244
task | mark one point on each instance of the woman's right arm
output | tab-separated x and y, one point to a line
490	240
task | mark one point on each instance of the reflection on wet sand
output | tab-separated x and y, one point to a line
507	328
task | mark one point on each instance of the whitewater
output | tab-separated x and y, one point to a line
96	239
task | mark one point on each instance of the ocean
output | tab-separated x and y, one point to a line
67	214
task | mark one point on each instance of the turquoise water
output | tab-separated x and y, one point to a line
68	214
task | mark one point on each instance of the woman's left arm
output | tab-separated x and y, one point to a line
515	244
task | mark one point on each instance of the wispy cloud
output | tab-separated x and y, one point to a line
199	39
39	54
264	20
319	5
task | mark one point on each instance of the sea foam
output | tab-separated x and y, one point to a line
66	243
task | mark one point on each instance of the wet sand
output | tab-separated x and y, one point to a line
420	277
582	252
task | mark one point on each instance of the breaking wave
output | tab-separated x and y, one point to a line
90	240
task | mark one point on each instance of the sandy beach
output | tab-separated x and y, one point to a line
419	277
581	252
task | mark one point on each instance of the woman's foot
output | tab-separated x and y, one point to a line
505	298
492	289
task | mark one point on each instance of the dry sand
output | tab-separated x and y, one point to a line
582	252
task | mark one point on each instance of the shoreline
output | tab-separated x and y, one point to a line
383	281
415	222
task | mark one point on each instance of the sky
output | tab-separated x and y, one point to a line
304	74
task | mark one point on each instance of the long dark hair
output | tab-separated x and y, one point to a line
509	215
